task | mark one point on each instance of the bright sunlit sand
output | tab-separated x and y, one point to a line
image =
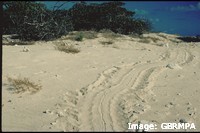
102	86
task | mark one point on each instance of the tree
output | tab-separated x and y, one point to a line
110	15
33	21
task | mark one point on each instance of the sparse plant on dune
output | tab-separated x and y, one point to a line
21	85
79	35
109	34
19	43
115	46
67	48
89	34
109	42
144	40
148	39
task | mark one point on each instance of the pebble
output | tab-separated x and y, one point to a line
188	103
143	101
182	121
188	108
47	111
169	105
173	66
60	114
191	114
53	123
25	49
149	61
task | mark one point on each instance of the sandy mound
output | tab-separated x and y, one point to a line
108	83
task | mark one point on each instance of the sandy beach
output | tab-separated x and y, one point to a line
105	86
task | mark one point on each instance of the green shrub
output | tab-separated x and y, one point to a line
79	37
89	34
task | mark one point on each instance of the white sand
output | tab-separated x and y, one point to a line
102	88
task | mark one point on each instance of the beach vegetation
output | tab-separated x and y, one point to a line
67	48
109	42
34	21
21	85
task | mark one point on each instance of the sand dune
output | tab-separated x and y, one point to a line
154	79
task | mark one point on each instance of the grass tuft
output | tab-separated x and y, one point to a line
21	85
107	42
18	43
67	48
109	34
79	35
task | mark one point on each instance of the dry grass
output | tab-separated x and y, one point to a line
134	35
163	36
19	43
67	48
115	46
154	39
74	36
21	85
109	34
90	34
144	40
79	35
107	42
148	39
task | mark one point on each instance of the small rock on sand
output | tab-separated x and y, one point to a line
9	101
173	66
182	121
25	49
47	111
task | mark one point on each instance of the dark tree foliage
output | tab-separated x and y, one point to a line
190	38
110	15
32	21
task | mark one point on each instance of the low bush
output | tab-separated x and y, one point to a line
79	37
67	48
106	33
21	85
107	42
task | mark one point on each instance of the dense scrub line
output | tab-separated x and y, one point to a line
33	21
